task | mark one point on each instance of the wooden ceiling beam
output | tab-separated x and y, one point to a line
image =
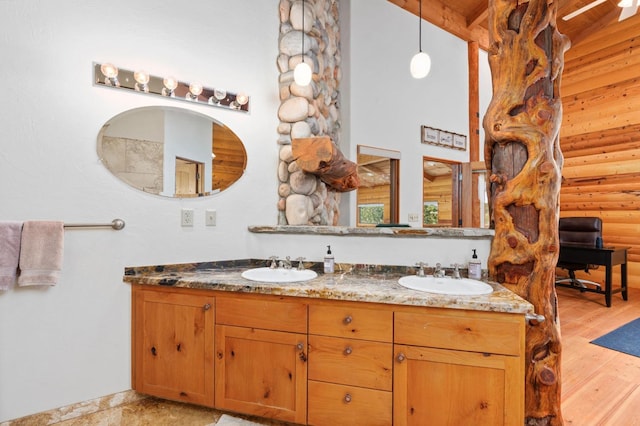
439	14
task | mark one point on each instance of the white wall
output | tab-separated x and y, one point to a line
71	342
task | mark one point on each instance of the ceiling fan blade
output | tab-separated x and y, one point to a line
629	11
582	10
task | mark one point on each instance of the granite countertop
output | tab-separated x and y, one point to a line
359	283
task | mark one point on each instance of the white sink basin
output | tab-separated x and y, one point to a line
446	285
278	275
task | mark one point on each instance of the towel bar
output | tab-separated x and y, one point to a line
116	224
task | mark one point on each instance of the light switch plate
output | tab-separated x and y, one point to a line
210	217
186	217
414	217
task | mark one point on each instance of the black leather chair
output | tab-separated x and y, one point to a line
585	231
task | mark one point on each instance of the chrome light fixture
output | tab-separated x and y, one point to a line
302	72
421	62
142	82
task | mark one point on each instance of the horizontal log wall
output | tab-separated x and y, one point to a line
600	137
379	194
440	190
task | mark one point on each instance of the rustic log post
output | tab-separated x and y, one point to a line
321	157
522	152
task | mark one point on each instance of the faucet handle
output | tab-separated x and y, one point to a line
300	264
456	271
274	262
421	266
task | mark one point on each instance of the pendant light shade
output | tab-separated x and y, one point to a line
302	72
421	62
420	65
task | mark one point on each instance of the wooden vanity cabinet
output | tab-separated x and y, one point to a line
172	341
458	367
350	365
261	357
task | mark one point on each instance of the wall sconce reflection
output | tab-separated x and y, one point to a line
108	75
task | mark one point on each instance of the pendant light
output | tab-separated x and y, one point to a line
302	71
421	62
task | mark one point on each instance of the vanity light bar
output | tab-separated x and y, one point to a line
108	75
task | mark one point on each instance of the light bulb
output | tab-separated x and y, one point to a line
142	78
420	65
170	83
195	88
302	74
109	70
218	95
242	98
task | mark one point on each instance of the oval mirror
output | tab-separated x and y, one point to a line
171	152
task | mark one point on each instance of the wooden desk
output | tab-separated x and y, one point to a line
605	256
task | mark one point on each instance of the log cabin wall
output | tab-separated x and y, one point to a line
378	194
600	137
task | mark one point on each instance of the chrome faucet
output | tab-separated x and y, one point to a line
286	264
439	272
274	262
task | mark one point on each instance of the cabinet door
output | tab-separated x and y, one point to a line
173	345
261	372
445	387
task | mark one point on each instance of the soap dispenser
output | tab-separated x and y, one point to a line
475	267
329	262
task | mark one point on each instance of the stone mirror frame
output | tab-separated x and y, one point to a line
171	152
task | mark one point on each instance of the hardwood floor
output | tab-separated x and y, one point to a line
599	386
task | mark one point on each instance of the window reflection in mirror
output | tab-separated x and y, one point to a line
377	195
171	151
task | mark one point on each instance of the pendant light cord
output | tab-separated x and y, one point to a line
302	52
420	27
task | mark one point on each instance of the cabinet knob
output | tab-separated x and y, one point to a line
206	307
348	350
401	357
347	319
300	346
347	398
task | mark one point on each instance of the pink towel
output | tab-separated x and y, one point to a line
10	234
41	253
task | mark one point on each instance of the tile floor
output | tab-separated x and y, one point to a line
155	412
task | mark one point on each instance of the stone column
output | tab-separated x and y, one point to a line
307	111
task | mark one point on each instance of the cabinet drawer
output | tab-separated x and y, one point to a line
468	331
263	313
351	362
350	322
331	404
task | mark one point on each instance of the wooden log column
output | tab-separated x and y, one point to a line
522	153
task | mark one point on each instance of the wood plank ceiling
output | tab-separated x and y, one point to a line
468	19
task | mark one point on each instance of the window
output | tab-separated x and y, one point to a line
430	213
370	214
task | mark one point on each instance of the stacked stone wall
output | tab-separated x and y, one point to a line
307	111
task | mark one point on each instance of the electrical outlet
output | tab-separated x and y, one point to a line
414	217
210	217
186	217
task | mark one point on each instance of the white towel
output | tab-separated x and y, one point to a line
10	235
41	253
